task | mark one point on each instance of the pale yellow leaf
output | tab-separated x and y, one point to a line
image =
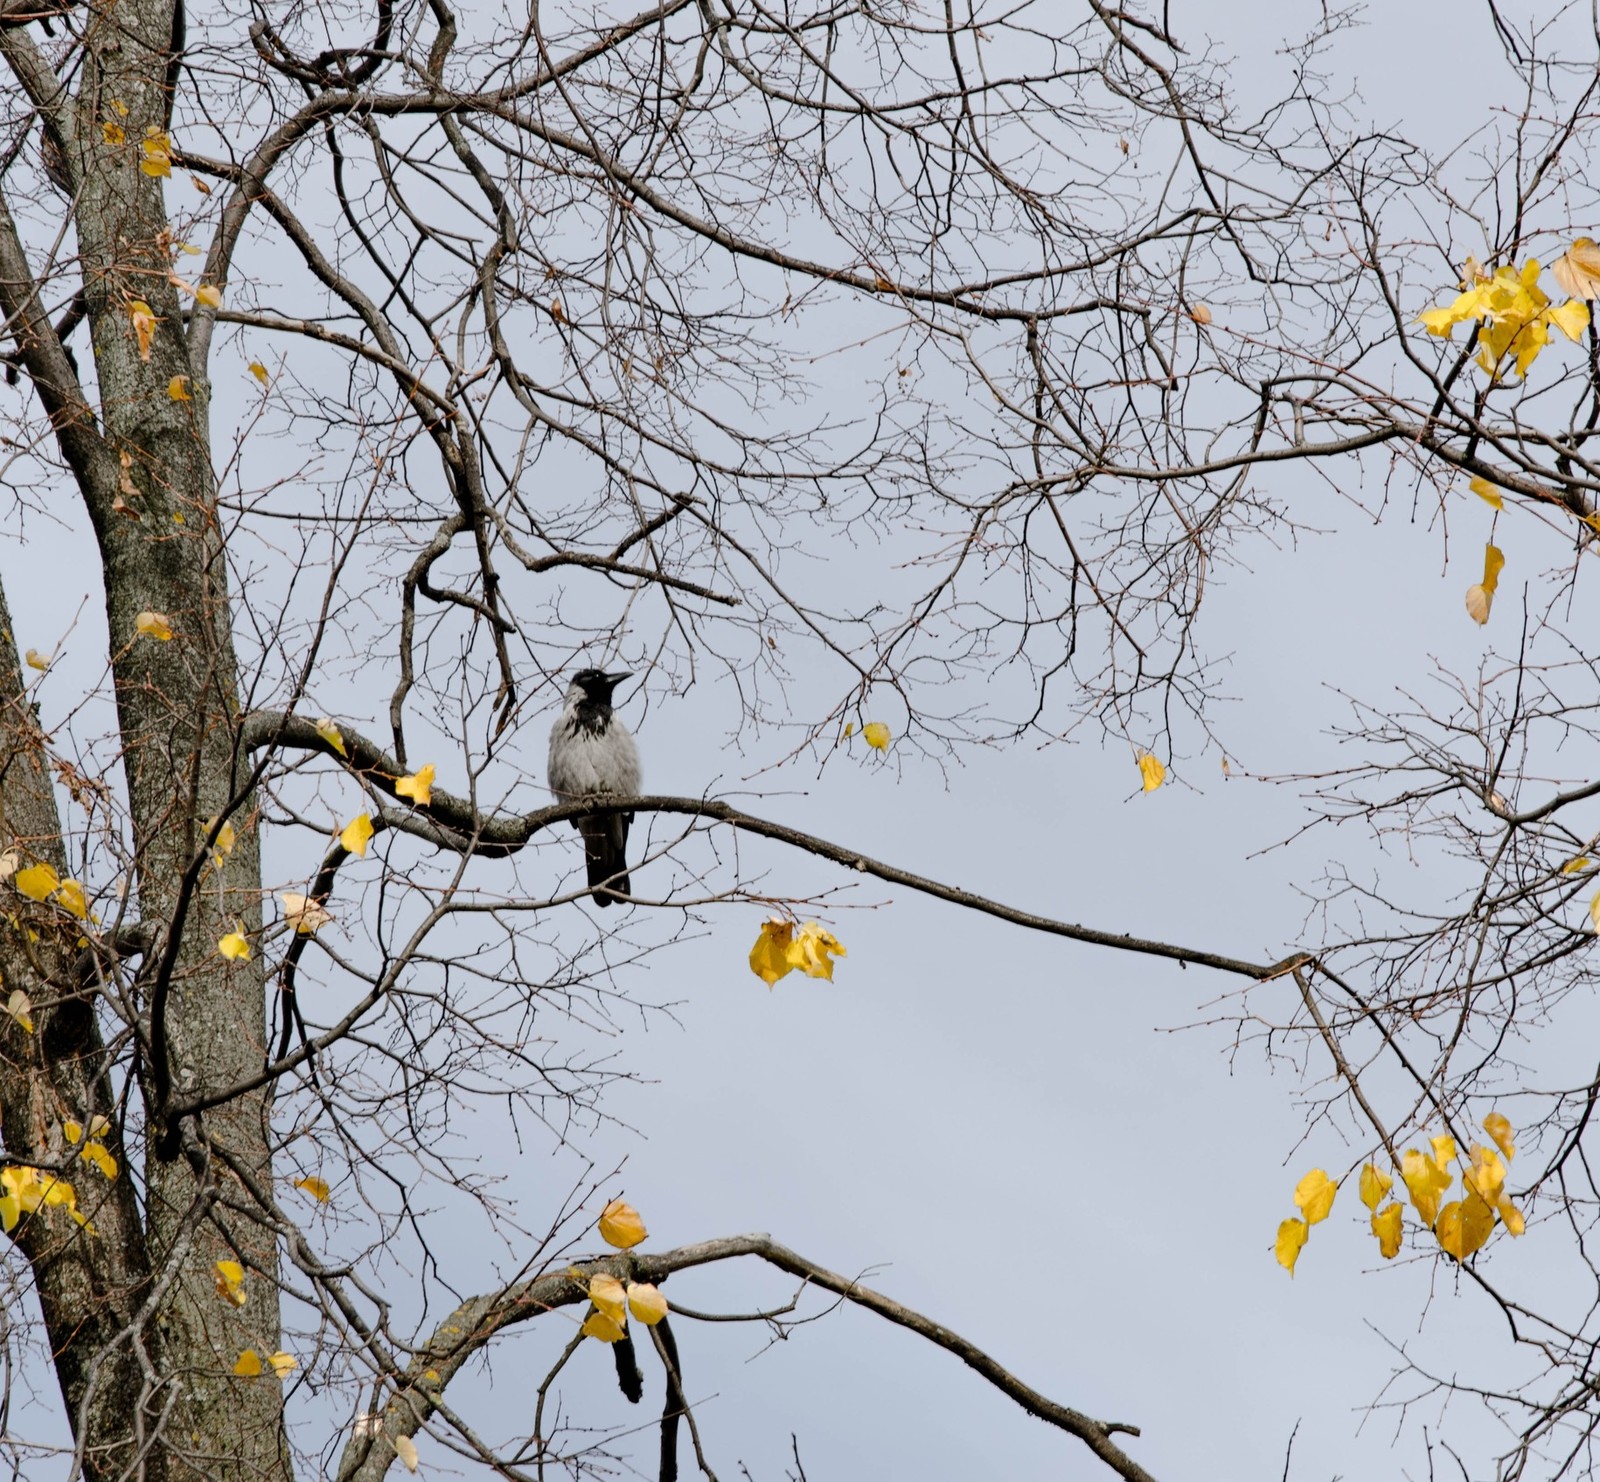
20	1007
153	625
1478	601
1464	1226
646	1303
621	1226
1501	1131
406	1449
1577	270
94	1153
610	1298
72	1131
598	1325
144	322
1511	1216
1487	492
305	915
332	735
1576	866
1152	771
210	295
813	949
70	896
1200	314
37	660
283	1364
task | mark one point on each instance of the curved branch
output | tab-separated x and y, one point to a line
468	1329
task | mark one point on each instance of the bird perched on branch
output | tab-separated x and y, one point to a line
592	755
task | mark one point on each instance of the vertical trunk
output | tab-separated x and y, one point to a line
161	548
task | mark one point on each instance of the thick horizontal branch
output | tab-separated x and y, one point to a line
453	822
471	1326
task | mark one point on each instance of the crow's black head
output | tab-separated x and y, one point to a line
597	685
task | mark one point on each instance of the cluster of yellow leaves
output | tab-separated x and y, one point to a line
1313	1197
1480	597
1514	316
613	1300
1151	771
41	883
25	1190
93	1149
250	1364
781	949
1462	1226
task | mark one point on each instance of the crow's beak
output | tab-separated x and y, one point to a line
616	679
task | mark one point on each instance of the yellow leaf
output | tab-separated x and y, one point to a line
418	786
94	1153
283	1364
1486	1176
1572	318
356	834
1577	270
227	837
259	371
1576	866
609	1298
1594	913
1511	1216
156	148
72	1131
1200	314
646	1303
1444	1153
235	946
406	1449
153	625
1313	1196
316	1187
1464	1225
621	1226
1478	600
876	735
1374	1185
112	132
1501	1131
305	915
769	958
230	1282
20	1007
70	896
38	882
1291	1238
1487	492
332	735
248	1364
598	1325
10	1212
1493	564
1425	1182
178	389
813	949
849	729
1152	771
1387	1225
210	295
144	323
119	107
37	660
200	185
